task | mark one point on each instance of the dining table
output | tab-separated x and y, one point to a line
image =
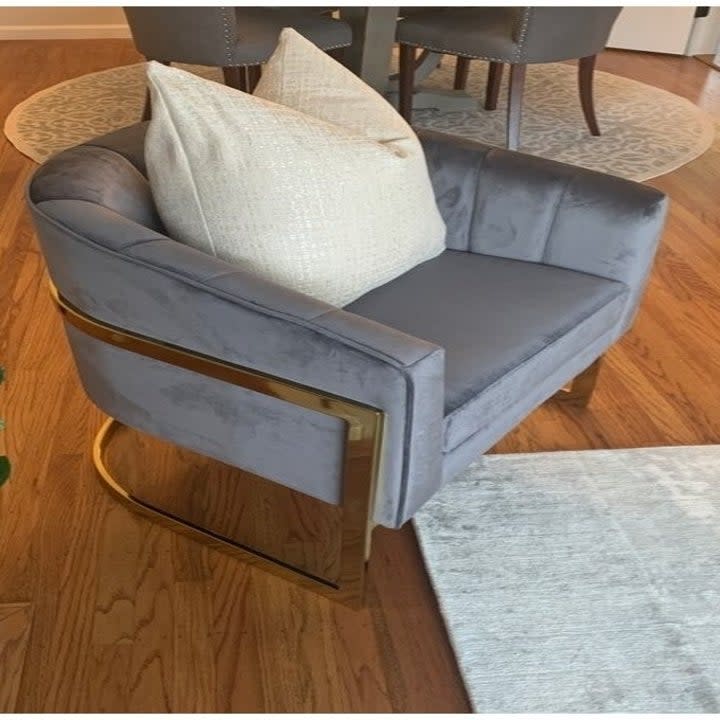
370	57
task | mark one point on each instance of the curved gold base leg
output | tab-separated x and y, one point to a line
350	593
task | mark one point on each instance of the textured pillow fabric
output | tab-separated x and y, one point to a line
316	183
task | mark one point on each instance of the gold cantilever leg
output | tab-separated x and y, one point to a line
348	589
582	387
363	446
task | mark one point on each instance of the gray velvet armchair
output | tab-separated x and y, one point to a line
373	406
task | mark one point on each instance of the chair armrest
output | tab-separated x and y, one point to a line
128	275
517	206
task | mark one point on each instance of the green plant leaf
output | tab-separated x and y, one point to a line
2	374
4	469
2	424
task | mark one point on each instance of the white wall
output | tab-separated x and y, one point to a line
705	38
653	29
40	23
666	29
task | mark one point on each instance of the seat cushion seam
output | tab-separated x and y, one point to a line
479	168
547	244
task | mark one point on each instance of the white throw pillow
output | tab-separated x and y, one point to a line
315	183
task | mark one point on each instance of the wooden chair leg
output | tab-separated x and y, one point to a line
582	387
462	70
514	113
236	77
586	70
406	81
492	90
147	107
254	74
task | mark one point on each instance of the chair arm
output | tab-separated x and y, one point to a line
522	207
128	275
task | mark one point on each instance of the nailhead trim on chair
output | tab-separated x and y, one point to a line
527	14
517	55
228	51
335	47
457	53
226	33
262	62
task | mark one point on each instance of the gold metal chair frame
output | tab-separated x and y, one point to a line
363	446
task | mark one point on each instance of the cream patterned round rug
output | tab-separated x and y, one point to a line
646	131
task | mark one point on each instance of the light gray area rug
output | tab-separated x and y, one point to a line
646	131
582	581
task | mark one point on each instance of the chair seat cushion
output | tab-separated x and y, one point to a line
495	318
260	28
481	32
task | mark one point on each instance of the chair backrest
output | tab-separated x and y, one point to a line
202	35
550	34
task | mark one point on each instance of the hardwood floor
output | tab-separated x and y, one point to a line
102	611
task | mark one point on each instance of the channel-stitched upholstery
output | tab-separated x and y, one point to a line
545	270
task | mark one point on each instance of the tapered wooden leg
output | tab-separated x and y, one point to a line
582	387
406	81
236	77
462	70
337	54
147	107
492	90
514	114
254	73
586	70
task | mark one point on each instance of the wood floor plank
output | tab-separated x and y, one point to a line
114	620
235	636
106	690
194	660
119	615
152	676
15	621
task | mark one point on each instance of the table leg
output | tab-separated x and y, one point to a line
370	57
373	31
423	99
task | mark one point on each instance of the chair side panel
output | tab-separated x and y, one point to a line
296	447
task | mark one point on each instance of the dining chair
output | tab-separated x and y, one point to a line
516	36
237	39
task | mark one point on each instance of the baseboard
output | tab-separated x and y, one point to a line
63	32
712	60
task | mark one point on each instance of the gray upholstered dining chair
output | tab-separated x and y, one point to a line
517	36
374	406
237	39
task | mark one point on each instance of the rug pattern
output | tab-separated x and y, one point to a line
582	581
646	131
